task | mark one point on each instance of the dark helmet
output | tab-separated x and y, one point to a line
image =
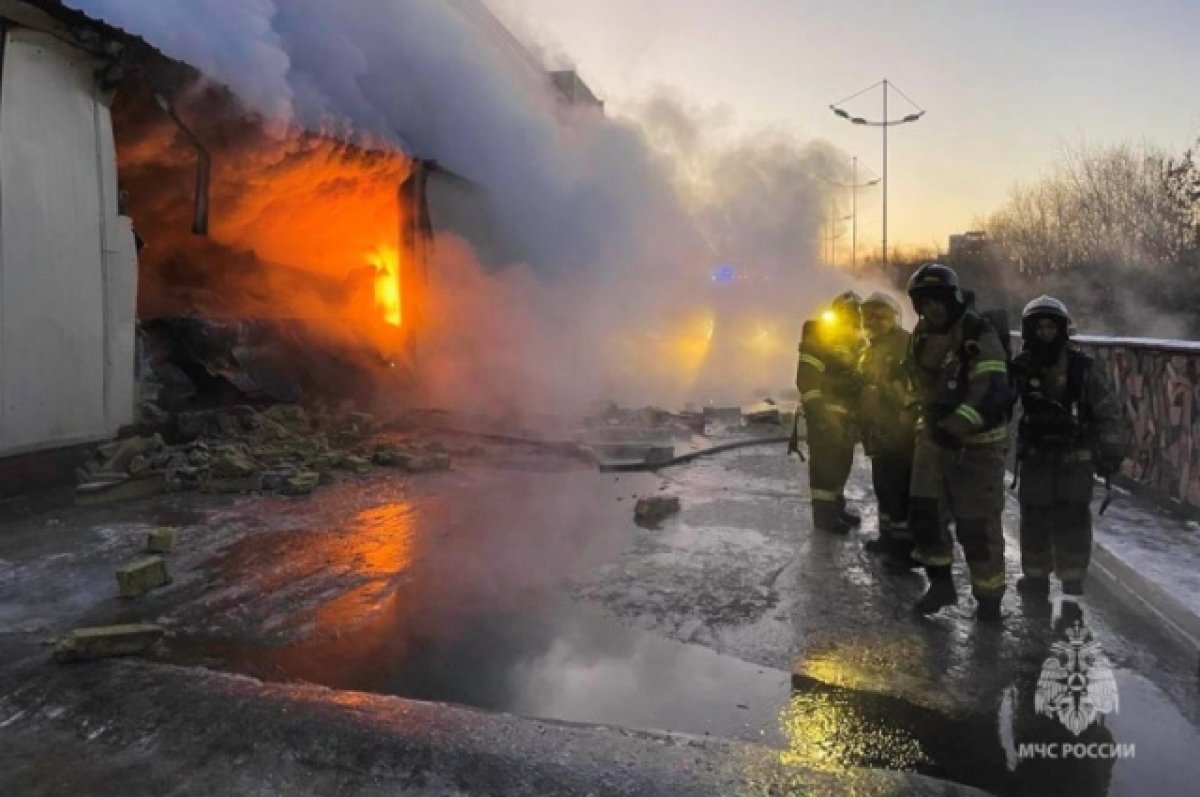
934	278
1045	307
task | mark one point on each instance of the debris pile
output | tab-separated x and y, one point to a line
710	421
621	439
282	449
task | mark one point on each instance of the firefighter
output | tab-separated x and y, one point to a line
888	422
959	368
828	383
1072	426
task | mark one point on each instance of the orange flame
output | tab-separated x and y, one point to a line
386	260
303	226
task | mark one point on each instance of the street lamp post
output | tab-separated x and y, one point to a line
885	123
833	222
854	186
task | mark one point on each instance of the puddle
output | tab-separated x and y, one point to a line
460	598
554	661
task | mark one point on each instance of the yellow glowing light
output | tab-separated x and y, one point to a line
386	260
829	317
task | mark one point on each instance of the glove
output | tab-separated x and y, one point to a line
955	426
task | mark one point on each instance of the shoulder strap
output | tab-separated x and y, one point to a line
973	325
1078	365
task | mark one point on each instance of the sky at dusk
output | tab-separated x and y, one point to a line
1007	85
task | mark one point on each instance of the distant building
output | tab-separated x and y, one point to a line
967	245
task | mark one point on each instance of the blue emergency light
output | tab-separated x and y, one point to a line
723	274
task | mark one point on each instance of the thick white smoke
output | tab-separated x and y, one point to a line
619	226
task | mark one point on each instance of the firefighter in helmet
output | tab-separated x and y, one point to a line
829	385
959	368
1072	426
888	419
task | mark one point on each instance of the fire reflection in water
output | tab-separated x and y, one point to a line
377	550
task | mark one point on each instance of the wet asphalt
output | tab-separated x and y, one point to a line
518	583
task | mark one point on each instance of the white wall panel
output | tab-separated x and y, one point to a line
66	279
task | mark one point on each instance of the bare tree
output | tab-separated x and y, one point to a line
1107	216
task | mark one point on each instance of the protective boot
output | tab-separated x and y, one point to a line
849	518
827	518
988	610
941	591
900	556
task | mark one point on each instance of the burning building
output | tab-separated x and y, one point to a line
316	236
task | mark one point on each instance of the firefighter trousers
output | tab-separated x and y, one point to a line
1056	516
891	476
967	484
830	457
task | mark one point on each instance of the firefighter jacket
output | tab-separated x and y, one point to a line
827	376
1069	411
961	378
887	409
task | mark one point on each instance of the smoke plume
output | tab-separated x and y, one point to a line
608	231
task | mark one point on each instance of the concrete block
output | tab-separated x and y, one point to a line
727	416
303	483
659	455
363	420
765	411
138	578
109	492
230	464
649	512
358	465
653	416
329	460
102	642
425	463
388	458
276	479
243	485
160	541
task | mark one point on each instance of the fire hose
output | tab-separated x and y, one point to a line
794	440
571	448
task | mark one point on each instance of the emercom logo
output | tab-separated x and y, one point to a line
1076	684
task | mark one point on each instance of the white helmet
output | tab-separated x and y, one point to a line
886	299
1046	305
